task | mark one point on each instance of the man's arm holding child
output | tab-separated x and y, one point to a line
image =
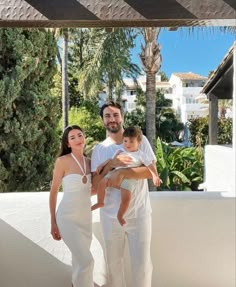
109	165
117	176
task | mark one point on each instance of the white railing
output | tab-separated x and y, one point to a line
191	90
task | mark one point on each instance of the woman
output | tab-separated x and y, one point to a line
73	221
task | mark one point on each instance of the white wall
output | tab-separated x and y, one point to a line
220	171
193	242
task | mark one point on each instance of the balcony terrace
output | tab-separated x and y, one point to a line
193	242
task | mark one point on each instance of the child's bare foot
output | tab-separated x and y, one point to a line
121	219
97	205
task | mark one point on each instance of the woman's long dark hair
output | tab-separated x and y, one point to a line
64	141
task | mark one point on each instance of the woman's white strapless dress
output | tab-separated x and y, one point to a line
74	220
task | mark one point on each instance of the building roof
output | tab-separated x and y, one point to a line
189	76
130	83
220	82
167	84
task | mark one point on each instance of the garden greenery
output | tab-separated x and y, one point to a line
199	131
28	113
179	168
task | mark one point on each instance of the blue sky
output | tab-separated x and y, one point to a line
198	51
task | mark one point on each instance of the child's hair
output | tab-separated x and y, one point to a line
133	132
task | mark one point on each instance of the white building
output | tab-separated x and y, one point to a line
129	94
186	95
130	91
183	89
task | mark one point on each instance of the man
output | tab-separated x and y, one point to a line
138	217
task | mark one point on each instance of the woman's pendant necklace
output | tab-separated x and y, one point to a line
84	177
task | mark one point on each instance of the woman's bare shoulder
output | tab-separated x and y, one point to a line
64	158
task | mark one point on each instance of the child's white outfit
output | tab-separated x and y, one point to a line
138	159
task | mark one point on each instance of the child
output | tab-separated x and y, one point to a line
132	138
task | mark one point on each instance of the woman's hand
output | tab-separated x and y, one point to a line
55	232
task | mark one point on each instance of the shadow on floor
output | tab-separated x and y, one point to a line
25	264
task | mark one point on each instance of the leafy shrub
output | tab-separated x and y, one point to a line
199	131
136	118
225	127
168	126
179	168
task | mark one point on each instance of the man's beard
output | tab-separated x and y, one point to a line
114	129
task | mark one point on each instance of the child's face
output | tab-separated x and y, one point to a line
130	144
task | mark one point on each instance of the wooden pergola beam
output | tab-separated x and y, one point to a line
117	13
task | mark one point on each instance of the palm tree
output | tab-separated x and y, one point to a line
64	70
62	35
79	51
151	61
108	60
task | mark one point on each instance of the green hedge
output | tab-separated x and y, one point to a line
28	112
199	131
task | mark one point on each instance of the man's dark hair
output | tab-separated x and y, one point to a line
133	132
111	104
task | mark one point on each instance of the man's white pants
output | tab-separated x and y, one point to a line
138	232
